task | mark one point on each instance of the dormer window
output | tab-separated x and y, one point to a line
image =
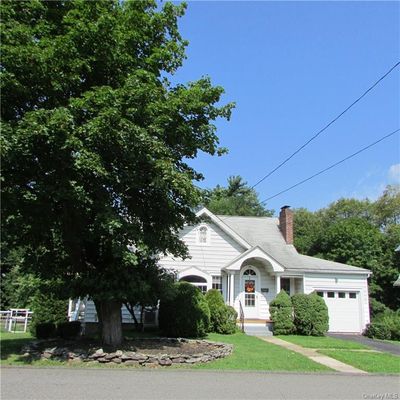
202	235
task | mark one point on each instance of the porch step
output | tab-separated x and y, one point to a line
257	330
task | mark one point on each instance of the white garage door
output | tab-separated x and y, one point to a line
344	310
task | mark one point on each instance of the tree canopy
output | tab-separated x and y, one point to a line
95	141
235	199
360	233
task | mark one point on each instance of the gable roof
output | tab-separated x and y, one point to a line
265	233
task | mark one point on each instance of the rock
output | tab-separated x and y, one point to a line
191	360
119	353
178	360
103	360
129	355
116	360
165	362
110	356
47	355
131	362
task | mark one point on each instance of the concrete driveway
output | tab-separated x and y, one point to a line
99	384
375	344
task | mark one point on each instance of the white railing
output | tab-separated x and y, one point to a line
16	316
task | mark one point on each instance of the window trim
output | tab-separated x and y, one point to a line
198	235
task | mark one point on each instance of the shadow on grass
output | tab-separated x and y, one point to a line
13	346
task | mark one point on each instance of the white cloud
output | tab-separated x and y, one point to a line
394	173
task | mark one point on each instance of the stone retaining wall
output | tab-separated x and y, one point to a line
63	353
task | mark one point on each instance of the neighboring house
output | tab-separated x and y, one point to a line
397	282
250	259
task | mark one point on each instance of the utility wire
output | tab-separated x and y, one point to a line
332	166
326	126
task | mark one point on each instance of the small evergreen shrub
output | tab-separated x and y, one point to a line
282	314
45	330
68	330
378	330
185	312
222	316
310	314
47	308
385	326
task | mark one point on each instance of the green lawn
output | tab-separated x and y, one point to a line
322	342
366	361
251	353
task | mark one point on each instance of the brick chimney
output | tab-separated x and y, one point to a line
286	224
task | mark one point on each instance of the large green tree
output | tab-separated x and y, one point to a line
237	198
357	232
95	142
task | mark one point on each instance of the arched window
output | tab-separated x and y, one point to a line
197	281
203	235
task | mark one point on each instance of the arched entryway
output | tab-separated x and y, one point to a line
197	281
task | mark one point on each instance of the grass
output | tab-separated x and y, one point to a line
367	361
323	342
396	342
251	353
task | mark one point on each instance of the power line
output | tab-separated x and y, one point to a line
332	166
326	126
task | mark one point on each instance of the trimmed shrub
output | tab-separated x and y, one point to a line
47	308
45	330
185	312
222	317
310	314
282	314
68	330
376	307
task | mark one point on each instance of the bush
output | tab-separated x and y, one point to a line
385	326
378	330
45	330
282	314
376	307
68	330
47	308
222	317
310	314
185	312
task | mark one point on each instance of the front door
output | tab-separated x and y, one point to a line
250	293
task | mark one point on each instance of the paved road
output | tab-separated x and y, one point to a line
99	384
375	344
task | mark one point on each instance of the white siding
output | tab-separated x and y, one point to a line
210	257
337	282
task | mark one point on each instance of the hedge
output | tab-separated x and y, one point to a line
281	313
385	326
222	317
310	314
185	312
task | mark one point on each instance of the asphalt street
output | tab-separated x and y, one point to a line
98	384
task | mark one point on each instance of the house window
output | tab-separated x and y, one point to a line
342	295
285	285
352	295
217	283
203	235
320	294
197	281
331	294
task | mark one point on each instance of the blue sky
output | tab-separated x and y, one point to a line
291	67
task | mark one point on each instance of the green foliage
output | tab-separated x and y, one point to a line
281	312
310	314
184	312
44	330
222	316
95	139
376	307
47	307
360	233
385	326
68	330
235	199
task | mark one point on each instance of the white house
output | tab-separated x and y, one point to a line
250	259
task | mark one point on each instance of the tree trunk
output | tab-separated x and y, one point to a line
111	321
